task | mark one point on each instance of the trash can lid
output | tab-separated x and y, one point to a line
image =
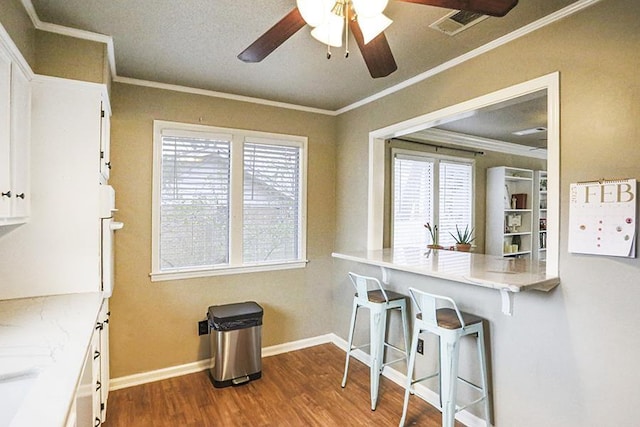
233	312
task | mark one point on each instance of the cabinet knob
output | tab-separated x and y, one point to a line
97	422
98	385
20	196
7	194
108	165
96	354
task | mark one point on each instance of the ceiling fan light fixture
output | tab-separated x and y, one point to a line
369	8
315	12
330	32
371	27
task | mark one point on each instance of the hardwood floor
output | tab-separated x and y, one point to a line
300	388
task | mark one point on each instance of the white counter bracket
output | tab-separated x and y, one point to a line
507	301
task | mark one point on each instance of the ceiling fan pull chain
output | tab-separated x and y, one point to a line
347	14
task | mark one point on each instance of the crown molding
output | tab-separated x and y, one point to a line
520	32
479	143
108	40
214	94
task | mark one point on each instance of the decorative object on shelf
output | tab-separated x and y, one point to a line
507	198
521	200
433	232
463	239
514	221
543	184
516	243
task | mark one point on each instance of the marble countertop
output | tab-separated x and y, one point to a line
490	271
43	344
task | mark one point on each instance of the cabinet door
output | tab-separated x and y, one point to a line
20	140
5	136
104	359
105	142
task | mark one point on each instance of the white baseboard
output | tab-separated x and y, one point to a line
420	390
203	365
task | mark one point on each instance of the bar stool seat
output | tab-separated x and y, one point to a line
450	325
371	295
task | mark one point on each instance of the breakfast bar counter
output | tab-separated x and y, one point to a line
505	274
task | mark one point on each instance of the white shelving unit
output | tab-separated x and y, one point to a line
540	215
509	214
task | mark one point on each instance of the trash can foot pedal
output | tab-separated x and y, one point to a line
240	380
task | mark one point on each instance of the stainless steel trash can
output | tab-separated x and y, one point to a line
235	337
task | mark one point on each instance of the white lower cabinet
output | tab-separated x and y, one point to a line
90	404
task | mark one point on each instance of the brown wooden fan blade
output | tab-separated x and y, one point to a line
485	7
377	53
273	38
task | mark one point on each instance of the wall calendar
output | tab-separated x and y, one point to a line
602	218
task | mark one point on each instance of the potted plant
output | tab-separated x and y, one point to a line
433	232
463	239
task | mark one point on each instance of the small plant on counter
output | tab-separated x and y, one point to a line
433	232
463	239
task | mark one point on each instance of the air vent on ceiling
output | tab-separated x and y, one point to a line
456	21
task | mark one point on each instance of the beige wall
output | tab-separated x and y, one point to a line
15	20
567	358
71	58
154	324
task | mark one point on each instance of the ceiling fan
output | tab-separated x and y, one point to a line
373	46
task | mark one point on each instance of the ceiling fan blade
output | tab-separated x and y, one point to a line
273	38
485	7
377	53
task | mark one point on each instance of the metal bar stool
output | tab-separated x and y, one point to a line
370	294
450	325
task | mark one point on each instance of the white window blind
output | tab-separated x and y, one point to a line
413	200
271	210
455	199
430	189
194	203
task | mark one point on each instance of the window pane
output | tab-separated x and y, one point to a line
271	203
412	201
455	199
194	207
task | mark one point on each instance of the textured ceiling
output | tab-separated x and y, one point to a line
194	43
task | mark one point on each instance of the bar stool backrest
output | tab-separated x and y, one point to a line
364	284
427	305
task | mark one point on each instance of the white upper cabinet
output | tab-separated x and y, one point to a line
105	138
15	124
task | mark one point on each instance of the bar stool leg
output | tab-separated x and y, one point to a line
482	358
350	343
378	326
410	367
405	328
449	349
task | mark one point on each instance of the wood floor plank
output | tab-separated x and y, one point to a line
299	388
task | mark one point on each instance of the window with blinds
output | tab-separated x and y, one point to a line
455	199
226	201
429	188
412	199
271	209
194	202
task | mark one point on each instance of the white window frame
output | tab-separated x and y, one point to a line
436	159
238	138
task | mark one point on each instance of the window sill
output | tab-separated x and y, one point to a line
226	270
